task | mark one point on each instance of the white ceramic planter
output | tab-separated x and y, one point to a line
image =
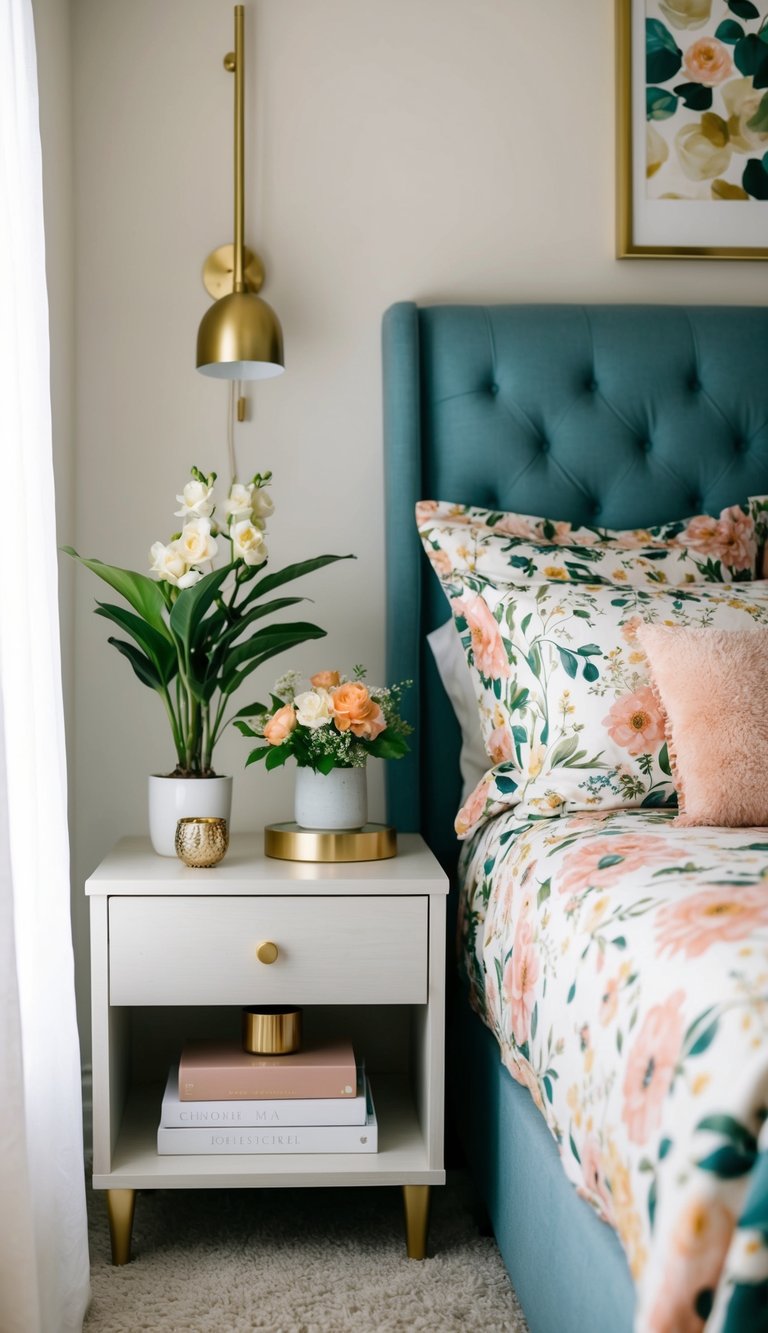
335	800
172	799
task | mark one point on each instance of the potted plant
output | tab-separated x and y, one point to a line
331	729
194	633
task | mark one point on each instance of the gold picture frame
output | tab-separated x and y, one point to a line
640	221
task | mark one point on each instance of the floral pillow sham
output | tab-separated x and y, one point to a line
497	545
568	713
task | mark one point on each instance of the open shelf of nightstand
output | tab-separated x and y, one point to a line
401	1159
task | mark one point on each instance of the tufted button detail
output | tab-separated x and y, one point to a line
741	446
493	389
544	446
646	446
591	385
694	384
695	504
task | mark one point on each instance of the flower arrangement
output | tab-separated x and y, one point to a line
195	632
337	723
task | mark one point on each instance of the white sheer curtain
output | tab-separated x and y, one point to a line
44	1278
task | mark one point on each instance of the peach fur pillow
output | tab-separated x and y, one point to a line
713	687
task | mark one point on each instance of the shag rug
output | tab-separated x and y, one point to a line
297	1261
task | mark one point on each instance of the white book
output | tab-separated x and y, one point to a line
262	1114
273	1139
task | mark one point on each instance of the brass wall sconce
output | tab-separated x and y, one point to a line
240	336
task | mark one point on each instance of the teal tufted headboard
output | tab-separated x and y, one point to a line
621	415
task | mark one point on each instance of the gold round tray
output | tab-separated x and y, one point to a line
289	842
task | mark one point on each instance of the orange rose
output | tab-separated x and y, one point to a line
354	710
280	725
708	61
324	680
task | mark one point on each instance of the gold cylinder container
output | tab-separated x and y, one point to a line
201	841
272	1029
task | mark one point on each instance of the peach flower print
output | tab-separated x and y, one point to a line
523	1074
487	646
629	630
730	538
691	925
354	710
280	725
609	1001
473	809
499	745
602	862
514	525
520	976
424	511
651	1066
441	562
594	1177
708	61
700	1243
636	722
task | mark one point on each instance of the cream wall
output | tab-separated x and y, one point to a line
426	149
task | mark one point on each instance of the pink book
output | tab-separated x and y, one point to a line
223	1071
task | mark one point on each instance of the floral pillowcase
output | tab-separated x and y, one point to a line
568	714
496	545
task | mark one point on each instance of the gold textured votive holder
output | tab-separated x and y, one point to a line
271	1029
201	841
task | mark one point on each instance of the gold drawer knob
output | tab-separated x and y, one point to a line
267	952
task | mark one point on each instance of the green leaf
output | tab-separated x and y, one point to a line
727	1163
256	755
389	745
655	798
140	663
142	593
570	662
663	56
729	32
277	756
192	603
573	1147
696	97
731	1129
525	622
660	104
744	8
606	862
747	1306
251	710
544	891
751	58
271	581
755	1215
244	729
652	1203
548	1088
160	652
563	750
571	992
759	121
703	1042
664	764
275	637
590	671
664	1147
755	179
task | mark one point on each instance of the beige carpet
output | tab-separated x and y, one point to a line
297	1261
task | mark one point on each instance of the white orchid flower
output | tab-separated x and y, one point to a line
197	501
248	543
196	545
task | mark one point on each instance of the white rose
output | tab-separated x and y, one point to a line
239	502
313	708
248	543
196	544
196	500
167	563
656	151
262	504
742	101
703	150
686	13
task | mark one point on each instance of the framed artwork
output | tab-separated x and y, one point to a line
692	133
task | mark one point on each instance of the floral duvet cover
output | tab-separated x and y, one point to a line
622	964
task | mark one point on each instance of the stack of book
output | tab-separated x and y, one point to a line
220	1099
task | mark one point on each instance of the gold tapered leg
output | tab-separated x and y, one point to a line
121	1205
416	1201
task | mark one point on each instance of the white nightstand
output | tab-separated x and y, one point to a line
173	955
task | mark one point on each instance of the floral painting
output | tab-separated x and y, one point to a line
707	100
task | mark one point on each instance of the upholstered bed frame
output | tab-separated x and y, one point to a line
616	415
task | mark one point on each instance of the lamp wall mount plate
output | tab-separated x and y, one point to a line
219	271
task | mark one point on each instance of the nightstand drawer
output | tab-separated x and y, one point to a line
196	950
